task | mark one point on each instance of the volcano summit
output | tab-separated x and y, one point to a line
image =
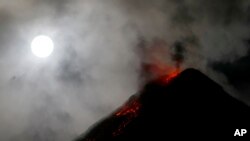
188	106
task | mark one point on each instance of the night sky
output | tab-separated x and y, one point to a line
100	47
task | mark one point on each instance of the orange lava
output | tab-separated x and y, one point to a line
129	111
160	62
130	108
169	77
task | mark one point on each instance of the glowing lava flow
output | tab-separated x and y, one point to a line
131	108
160	72
129	111
167	78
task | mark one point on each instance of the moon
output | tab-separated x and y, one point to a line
42	46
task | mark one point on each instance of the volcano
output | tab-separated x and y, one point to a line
188	106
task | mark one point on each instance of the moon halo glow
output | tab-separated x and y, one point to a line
42	46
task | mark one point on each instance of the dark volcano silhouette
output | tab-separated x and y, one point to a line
189	106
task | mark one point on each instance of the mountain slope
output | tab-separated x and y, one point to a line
188	106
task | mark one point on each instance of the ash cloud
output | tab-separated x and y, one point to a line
98	54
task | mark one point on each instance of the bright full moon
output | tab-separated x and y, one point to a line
42	46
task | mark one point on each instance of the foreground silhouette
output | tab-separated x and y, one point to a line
187	106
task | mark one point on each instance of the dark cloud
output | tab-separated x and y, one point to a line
6	28
181	15
179	53
222	11
69	71
236	72
58	5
